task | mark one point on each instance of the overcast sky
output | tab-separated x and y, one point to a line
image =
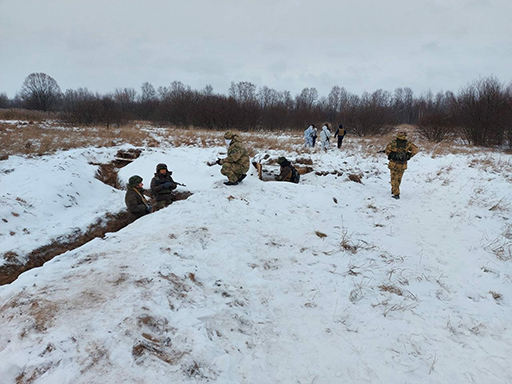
362	45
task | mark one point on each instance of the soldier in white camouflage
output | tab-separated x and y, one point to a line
399	151
236	165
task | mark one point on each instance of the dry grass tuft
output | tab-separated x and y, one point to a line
496	296
500	206
320	234
166	355
346	244
391	289
356	178
31	377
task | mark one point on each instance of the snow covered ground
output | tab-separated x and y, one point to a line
328	281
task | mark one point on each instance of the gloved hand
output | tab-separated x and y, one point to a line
167	185
149	208
408	156
219	161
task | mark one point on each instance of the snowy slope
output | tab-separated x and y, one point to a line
329	281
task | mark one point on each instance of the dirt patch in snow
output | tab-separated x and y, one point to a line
110	223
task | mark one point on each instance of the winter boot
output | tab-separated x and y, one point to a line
396	197
231	183
241	178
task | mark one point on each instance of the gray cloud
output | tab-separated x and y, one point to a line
286	44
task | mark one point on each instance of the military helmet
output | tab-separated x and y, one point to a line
229	135
161	166
281	160
401	135
134	180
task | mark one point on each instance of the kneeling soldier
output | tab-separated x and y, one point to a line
236	165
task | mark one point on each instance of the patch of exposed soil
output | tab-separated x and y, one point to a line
107	173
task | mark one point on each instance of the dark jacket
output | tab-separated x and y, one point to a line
288	173
158	191
136	202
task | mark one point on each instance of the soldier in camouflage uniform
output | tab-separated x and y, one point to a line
399	151
236	165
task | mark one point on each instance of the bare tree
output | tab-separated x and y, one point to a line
40	91
4	100
369	114
436	122
148	101
483	111
337	101
243	92
81	107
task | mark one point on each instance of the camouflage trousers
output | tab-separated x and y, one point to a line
397	171
396	179
232	171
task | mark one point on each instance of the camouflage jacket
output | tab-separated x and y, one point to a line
399	152
237	154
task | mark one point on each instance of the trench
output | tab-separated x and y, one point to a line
111	222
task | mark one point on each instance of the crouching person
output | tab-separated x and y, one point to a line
236	165
288	172
162	186
135	201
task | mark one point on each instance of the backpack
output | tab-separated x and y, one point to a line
295	175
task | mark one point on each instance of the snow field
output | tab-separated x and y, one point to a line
265	282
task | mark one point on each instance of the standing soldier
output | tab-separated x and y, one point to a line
309	136
340	134
134	199
399	151
325	134
162	186
236	165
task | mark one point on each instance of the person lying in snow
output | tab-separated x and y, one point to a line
135	201
162	186
236	165
287	172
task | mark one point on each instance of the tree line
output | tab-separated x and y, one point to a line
480	114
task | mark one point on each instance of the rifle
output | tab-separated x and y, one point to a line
212	163
183	185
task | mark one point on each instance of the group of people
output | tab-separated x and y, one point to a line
310	136
236	165
162	185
